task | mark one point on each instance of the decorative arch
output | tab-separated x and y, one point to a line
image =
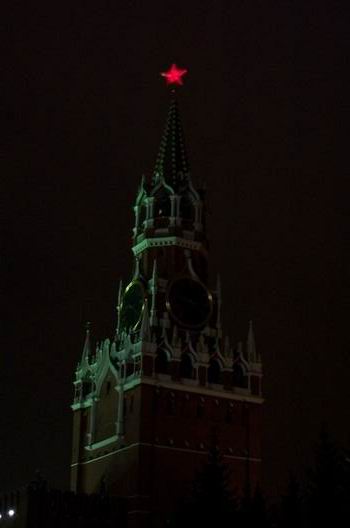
161	199
186	366
162	203
187	208
240	375
161	362
160	184
109	375
214	371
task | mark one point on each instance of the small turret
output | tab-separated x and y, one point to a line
87	344
251	350
120	296
145	330
219	301
154	293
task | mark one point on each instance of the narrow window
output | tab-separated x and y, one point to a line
186	367
214	372
240	379
161	362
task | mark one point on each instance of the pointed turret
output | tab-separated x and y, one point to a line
87	344
172	162
154	293
219	301
251	350
120	297
145	330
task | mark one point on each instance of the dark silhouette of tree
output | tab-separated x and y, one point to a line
211	502
292	508
328	485
252	511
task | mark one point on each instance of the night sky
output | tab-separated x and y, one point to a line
263	109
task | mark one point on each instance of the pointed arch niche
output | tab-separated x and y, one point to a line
187	210
214	372
162	203
187	370
240	375
161	362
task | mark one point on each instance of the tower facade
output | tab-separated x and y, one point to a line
150	401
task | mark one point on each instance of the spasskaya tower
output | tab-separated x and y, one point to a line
149	400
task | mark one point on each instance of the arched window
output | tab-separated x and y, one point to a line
186	366
214	371
187	210
240	378
162	204
161	364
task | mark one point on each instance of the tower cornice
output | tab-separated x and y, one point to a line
168	241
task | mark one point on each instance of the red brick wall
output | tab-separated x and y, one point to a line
167	436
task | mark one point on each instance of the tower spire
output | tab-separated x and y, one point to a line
172	163
87	344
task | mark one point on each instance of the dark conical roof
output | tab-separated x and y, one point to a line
172	163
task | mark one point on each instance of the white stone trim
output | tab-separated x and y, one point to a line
167	241
158	446
102	443
195	388
82	405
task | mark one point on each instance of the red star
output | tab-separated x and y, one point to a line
174	75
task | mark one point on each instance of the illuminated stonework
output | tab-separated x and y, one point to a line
150	400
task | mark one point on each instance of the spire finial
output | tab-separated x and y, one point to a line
87	344
174	75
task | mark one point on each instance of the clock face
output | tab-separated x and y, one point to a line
189	302
132	306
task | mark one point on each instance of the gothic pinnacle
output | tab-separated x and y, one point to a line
145	331
87	343
154	291
251	351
